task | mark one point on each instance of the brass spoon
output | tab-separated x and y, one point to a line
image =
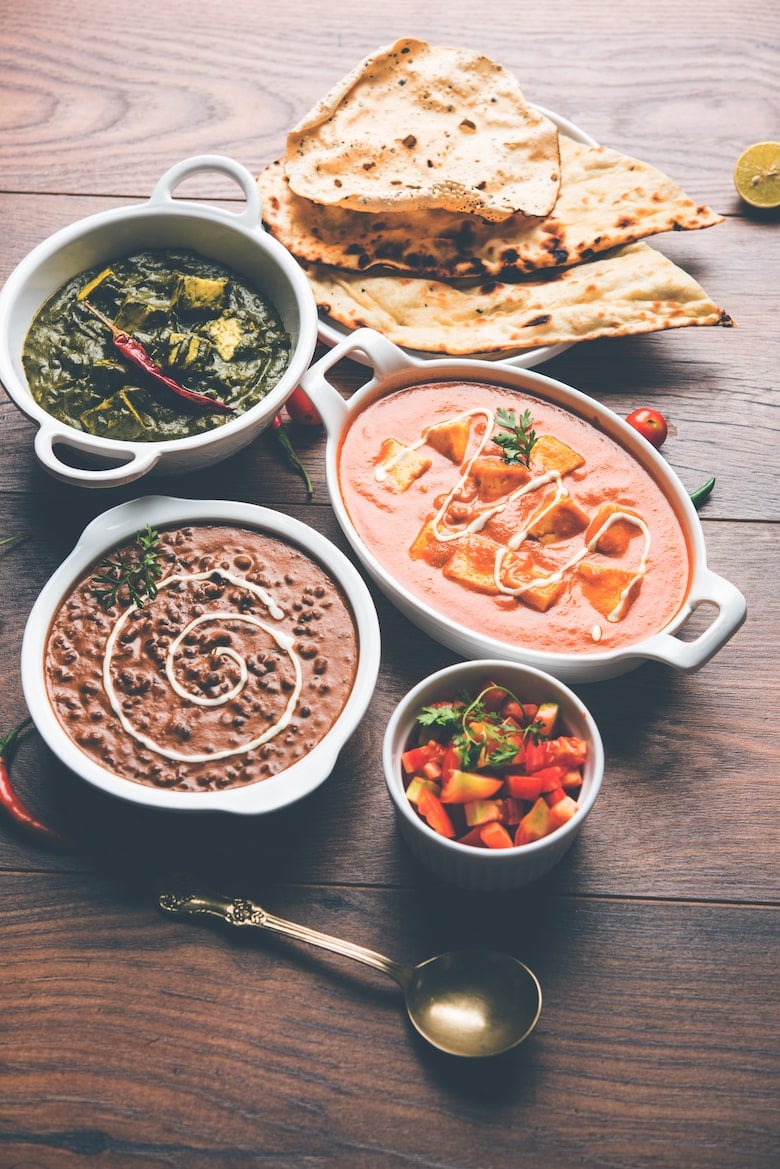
469	1002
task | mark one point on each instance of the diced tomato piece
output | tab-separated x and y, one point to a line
565	751
546	717
537	823
512	810
494	696
473	838
555	796
513	709
415	758
523	787
550	778
495	835
563	810
481	811
529	710
462	787
435	814
450	760
418	784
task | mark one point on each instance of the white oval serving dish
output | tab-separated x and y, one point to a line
394	369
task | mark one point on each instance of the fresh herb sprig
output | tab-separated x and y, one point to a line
481	736
521	438
137	575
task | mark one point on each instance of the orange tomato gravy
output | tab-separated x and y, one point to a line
580	552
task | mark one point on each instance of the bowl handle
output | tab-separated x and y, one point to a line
708	588
137	462
249	217
382	354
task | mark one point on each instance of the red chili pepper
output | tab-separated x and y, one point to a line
134	351
282	437
11	802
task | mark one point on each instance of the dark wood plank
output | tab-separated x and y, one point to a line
180	1045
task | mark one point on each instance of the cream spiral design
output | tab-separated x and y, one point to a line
280	637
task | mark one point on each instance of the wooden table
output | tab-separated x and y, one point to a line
128	1039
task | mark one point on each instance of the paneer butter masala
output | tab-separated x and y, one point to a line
514	517
235	663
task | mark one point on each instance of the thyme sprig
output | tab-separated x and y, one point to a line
137	575
521	438
481	736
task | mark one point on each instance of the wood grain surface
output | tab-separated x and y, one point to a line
128	1039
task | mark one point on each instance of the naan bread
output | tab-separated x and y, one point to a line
632	290
418	126
606	200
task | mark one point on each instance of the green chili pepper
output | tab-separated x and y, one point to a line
702	494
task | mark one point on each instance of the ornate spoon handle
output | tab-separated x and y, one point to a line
240	911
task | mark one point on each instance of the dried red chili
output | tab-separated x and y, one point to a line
11	802
283	438
135	352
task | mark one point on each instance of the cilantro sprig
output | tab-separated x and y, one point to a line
520	438
136	573
482	736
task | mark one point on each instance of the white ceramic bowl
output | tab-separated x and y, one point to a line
484	869
120	524
394	369
233	239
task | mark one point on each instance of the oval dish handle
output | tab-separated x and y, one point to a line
137	462
708	588
165	186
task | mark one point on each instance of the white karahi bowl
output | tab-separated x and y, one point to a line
233	239
121	524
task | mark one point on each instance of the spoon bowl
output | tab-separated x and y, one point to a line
468	1003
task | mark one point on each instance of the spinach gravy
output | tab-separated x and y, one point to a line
199	322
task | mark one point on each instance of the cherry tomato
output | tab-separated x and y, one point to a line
301	410
650	424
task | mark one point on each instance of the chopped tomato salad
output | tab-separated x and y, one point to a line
491	771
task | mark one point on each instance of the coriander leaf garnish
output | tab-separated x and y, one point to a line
440	716
137	573
519	442
481	736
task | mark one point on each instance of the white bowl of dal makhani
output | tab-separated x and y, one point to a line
511	516
201	655
219	308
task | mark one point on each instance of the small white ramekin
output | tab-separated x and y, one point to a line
484	869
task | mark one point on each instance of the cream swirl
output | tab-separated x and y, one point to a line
280	637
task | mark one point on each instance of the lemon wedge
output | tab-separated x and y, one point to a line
757	174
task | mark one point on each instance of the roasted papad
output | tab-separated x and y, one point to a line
606	200
633	290
419	126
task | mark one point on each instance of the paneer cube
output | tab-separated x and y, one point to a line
450	439
426	547
611	591
550	454
559	522
402	464
617	536
473	563
495	479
